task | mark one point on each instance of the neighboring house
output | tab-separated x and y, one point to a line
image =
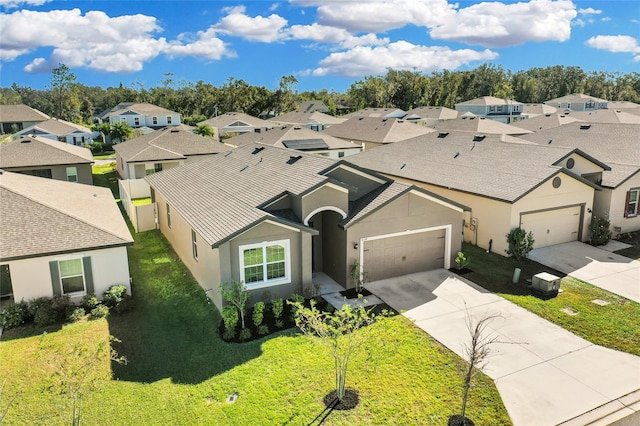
161	150
271	217
547	121
503	110
45	158
430	115
578	102
62	131
614	116
235	123
140	115
317	121
618	145
14	118
371	132
507	183
535	110
624	105
299	139
482	125
378	113
60	239
313	106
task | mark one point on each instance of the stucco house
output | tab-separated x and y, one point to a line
42	157
300	139
60	238
430	115
483	125
371	132
62	131
377	113
503	110
271	217
547	121
313	106
235	123
618	145
140	115
578	102
507	183
536	109
314	120
14	118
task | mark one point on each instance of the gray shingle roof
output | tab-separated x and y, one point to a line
44	216
20	113
168	144
379	130
606	116
378	113
277	136
304	118
575	98
480	125
546	121
231	117
30	151
492	167
436	112
57	127
488	100
142	108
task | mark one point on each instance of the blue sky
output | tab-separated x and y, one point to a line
324	44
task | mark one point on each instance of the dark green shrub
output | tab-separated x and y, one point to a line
125	305
277	306
245	334
263	330
62	307
520	243
43	312
230	318
96	147
15	315
258	313
600	231
77	314
296	300
100	311
89	301
114	295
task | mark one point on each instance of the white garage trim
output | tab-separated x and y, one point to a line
323	208
447	243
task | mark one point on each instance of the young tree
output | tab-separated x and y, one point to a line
61	80
120	131
339	331
203	130
236	293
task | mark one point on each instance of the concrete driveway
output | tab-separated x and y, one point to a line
609	271
545	374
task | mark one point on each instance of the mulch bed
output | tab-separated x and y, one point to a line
349	402
462	271
458	420
351	293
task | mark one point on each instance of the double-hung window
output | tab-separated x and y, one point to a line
168	215
72	174
194	244
71	276
154	120
264	264
168	119
631	205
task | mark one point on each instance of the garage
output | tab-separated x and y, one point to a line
554	226
394	255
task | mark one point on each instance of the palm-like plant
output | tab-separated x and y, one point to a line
203	130
120	131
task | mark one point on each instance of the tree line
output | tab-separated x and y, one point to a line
71	100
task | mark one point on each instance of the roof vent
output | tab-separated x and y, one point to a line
443	134
360	118
245	167
549	115
257	150
457	154
292	159
175	130
403	166
479	138
585	126
25	140
550	140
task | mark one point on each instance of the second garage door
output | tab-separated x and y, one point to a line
405	254
551	227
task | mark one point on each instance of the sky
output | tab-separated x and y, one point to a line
326	44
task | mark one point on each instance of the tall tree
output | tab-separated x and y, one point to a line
61	80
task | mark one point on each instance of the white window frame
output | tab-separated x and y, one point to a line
169	119
637	202
194	244
136	121
168	215
266	283
154	120
73	175
84	280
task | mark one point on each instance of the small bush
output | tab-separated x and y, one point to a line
279	323
230	318
600	231
96	147
245	334
229	334
89	301
62	307
15	315
258	313
100	311
462	261
44	315
296	299
263	330
77	314
126	304
520	243
114	295
276	307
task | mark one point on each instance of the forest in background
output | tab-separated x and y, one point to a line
71	100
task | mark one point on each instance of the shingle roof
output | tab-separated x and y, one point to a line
140	108
379	130
311	106
168	144
575	97
58	127
491	167
538	109
44	216
622	105
20	113
30	151
488	100
277	136
606	116
437	112
304	118
231	117
546	121
617	145
479	125
378	113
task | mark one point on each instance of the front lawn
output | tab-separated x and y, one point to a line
180	372
614	325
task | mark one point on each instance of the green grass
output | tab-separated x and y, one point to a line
106	175
614	326
141	201
104	155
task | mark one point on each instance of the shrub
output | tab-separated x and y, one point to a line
236	293
89	301
277	306
96	147
258	314
62	307
520	243
296	300
15	315
44	315
263	330
100	311
245	334
462	261
77	314
125	305
230	318
600	232
46	311
114	295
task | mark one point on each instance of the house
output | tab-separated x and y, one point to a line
610	115
300	139
378	113
547	121
535	110
618	145
371	132
507	183
60	130
315	120
313	106
503	110
235	123
37	156
430	115
624	105
14	118
59	238
272	217
139	115
161	150
578	102
482	125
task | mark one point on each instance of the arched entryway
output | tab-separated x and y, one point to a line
328	247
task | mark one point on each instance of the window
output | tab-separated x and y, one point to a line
72	174
123	119
492	108
340	154
154	120
5	282
168	119
194	244
71	276
499	108
45	173
168	215
136	121
631	206
265	263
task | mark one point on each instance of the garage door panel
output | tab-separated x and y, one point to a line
553	226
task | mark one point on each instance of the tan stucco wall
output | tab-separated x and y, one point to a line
131	171
31	278
581	165
617	206
325	196
60	172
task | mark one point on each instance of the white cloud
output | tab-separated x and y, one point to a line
589	11
325	34
401	55
606	19
616	44
206	45
496	24
10	4
259	28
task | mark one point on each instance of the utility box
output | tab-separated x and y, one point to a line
546	284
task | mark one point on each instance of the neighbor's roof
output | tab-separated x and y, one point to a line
20	113
139	108
622	105
606	116
279	137
488	100
437	112
228	118
379	130
538	109
574	98
378	113
311	106
547	121
617	145
57	127
30	151
304	118
45	216
168	144
489	167
479	125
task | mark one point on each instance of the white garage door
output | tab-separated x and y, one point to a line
552	226
404	254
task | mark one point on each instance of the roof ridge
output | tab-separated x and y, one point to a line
53	144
